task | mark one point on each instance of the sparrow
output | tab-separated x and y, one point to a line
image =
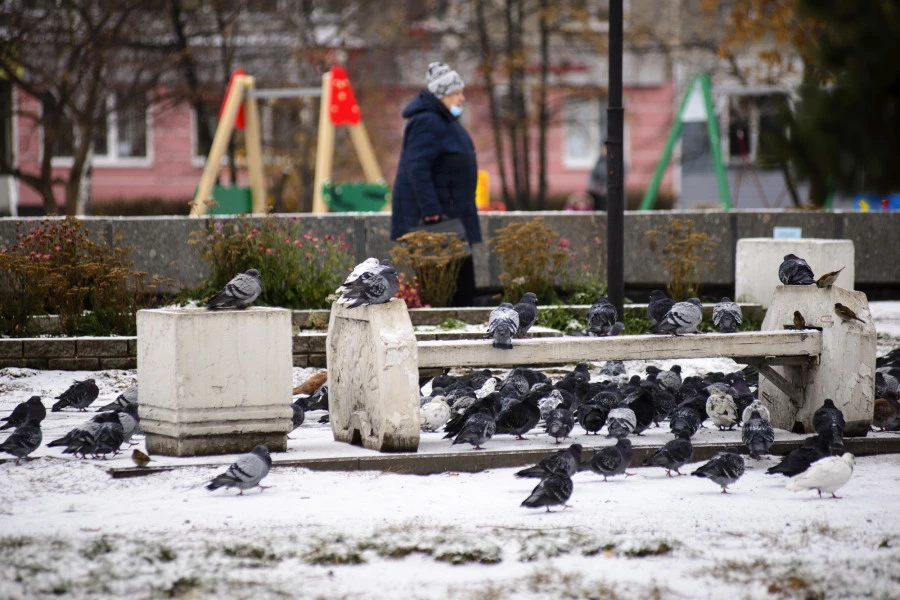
828	278
799	321
845	313
140	459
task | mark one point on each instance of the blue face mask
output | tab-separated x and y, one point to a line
456	111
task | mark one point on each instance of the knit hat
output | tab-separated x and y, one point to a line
442	80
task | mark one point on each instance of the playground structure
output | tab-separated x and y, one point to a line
239	109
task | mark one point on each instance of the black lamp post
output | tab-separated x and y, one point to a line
615	185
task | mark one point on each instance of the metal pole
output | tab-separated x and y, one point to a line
615	189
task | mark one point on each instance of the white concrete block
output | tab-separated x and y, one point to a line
373	391
214	382
846	368
757	260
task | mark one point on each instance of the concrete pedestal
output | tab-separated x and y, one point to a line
214	382
757	260
373	377
846	368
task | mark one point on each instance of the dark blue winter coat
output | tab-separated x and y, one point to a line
437	171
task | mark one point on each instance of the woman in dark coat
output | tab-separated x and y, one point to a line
438	171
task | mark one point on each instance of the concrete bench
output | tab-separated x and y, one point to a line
373	362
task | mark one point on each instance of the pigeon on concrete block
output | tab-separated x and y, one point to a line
24	440
685	420
246	472
758	435
520	417
79	395
478	429
559	423
527	311
825	475
553	490
759	407
561	462
357	272
673	455
795	271
238	293
683	317
610	461
724	468
434	413
601	317
376	285
658	306
32	408
503	324
620	422
722	409
727	315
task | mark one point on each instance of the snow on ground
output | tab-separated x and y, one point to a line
67	529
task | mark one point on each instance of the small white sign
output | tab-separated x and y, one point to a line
787	233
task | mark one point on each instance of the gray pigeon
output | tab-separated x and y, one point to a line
601	317
129	396
79	395
795	271
299	414
658	306
683	317
559	423
758	435
131	422
366	265
620	422
562	462
32	408
478	428
727	315
374	286
240	292
102	434
246	472
503	324
724	468
24	440
673	455
527	311
612	460
553	490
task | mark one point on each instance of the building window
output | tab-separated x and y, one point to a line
121	133
583	122
203	137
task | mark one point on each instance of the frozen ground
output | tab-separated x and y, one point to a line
69	530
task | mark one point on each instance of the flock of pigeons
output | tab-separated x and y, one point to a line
473	408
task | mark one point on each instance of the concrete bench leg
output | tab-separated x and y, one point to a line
214	382
373	391
846	368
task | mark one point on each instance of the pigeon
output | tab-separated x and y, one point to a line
886	415
239	293
246	472
601	317
130	421
727	315
799	459
32	408
685	420
139	458
592	416
478	429
795	271
758	435
673	455
553	490
612	368
828	421
562	462
612	460
299	414
129	396
722	409
658	306
724	468
434	413
553	399
756	406
825	475
527	311
317	401
24	440
668	380
374	286
620	422
559	423
503	324
828	278
86	438
683	317
520	417
357	272
79	395
845	313
110	435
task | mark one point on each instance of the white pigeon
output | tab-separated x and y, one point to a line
363	267
487	388
759	407
825	475
721	409
434	413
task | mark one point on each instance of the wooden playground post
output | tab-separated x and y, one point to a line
324	148
253	142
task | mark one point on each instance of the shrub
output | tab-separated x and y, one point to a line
684	254
435	259
56	268
298	270
532	255
409	292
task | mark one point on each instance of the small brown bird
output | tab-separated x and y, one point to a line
799	321
887	412
139	458
828	278
845	313
312	384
